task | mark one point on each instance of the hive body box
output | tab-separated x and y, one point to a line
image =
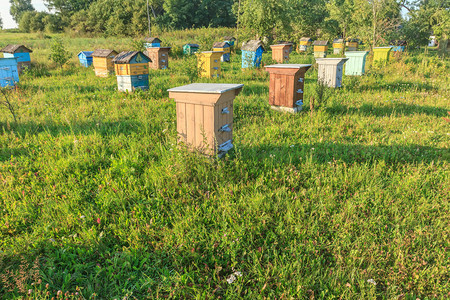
320	48
381	54
352	45
205	115
9	73
102	62
252	54
338	46
85	58
280	52
209	63
330	71
287	86
230	40
356	63
20	53
151	42
131	69
305	43
159	57
189	49
225	48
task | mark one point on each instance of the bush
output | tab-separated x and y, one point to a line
58	55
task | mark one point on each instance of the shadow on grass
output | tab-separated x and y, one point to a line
382	111
327	152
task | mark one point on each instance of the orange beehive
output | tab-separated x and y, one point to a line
280	52
102	61
205	115
159	57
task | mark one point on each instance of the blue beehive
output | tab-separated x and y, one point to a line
85	58
152	42
252	54
21	53
398	46
131	69
225	48
9	74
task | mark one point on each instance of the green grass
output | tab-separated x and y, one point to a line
97	200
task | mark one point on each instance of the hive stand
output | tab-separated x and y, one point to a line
287	86
205	115
356	62
280	52
159	57
330	71
209	63
381	54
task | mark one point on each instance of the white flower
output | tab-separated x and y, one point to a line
371	281
231	278
237	273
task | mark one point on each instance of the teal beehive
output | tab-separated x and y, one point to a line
356	63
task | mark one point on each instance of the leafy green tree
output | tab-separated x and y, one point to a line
181	13
19	7
1	23
340	12
58	53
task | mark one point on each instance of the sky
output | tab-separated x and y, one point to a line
8	21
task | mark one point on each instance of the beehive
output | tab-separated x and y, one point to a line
305	43
102	62
9	72
209	63
338	46
381	54
231	41
320	48
159	57
330	71
21	53
280	52
189	49
205	115
151	42
356	62
290	43
252	53
131	69
225	48
398	46
352	44
286	86
85	58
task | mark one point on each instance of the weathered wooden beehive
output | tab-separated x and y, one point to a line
290	43
320	48
209	63
205	115
330	71
151	42
381	54
102	60
305	43
9	72
189	49
356	63
287	86
21	53
131	69
338	46
252	53
398	46
280	52
225	48
352	44
159	57
85	58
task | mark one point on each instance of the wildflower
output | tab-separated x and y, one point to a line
231	279
371	281
30	291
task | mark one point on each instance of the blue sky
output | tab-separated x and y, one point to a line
8	21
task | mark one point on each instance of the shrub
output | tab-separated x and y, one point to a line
58	55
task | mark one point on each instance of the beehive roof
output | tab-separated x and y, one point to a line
229	38
252	45
125	57
320	43
152	40
338	40
305	39
221	45
285	43
103	52
86	53
14	48
192	45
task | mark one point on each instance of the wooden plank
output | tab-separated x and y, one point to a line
190	124
208	124
199	133
272	89
181	122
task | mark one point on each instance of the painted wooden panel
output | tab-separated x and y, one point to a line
209	63
131	83
330	71
280	53
320	54
320	48
21	57
9	73
356	62
381	54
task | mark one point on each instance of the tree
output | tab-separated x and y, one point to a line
58	53
1	23
19	7
339	12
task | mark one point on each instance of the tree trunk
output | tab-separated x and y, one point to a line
374	23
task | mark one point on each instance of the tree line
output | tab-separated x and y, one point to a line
372	21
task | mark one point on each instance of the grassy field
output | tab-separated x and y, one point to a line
349	201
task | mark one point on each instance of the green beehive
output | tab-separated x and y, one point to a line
381	54
356	62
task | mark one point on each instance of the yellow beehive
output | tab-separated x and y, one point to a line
209	63
381	54
102	61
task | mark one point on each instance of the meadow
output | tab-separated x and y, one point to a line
349	200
